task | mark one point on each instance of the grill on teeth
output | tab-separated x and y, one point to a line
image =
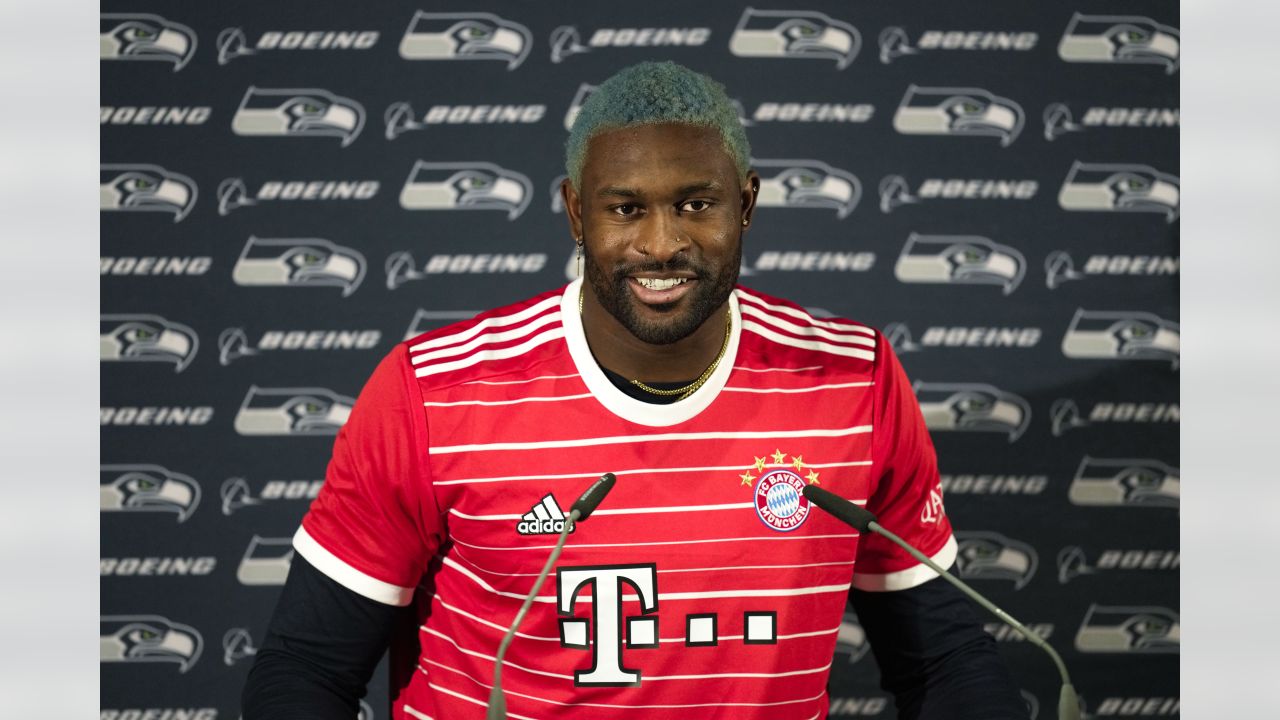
660	283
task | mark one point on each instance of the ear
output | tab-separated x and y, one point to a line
750	191
572	207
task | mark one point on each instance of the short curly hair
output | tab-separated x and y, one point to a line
651	93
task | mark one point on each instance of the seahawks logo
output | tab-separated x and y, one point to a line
1139	629
992	556
1130	482
1119	187
795	34
972	407
266	561
147	488
298	262
146	188
292	411
959	260
1121	335
465	186
465	36
140	36
149	638
304	112
807	184
146	338
1120	39
958	111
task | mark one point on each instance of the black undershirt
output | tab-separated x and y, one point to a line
324	641
638	393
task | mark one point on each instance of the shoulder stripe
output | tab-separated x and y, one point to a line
486	339
812	330
757	328
846	326
554	333
521	382
498	321
655	437
517	401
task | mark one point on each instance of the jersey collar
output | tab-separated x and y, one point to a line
629	408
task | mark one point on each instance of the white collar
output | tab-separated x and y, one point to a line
618	402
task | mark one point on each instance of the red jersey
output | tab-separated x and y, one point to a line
705	585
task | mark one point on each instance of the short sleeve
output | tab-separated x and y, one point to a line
907	494
375	525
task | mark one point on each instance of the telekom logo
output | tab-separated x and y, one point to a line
606	583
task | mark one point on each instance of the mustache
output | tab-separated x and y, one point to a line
679	263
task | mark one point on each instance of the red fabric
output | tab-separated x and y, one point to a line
398	493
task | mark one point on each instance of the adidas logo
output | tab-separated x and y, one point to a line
545	518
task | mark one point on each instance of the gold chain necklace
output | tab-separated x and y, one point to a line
692	387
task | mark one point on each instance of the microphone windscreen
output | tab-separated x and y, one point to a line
854	515
590	499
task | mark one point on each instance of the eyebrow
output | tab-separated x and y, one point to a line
691	188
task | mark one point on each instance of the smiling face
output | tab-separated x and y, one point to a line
660	212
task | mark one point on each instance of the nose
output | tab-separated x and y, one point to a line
660	238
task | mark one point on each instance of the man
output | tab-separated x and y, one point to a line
705	586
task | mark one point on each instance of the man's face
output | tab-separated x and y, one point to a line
660	214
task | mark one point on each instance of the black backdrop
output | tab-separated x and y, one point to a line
993	184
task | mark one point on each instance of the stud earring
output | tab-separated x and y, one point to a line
745	221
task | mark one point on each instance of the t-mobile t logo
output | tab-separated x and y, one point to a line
606	583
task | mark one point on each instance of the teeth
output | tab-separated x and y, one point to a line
660	283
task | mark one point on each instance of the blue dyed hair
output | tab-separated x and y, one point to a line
652	93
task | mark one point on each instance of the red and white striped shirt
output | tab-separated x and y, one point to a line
704	586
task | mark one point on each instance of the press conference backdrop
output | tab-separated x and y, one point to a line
286	194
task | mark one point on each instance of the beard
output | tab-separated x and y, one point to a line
711	291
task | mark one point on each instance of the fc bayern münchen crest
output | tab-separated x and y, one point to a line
779	502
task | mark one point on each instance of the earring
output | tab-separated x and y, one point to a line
579	264
745	221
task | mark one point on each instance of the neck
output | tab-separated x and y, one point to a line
615	348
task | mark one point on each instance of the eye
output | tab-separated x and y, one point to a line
694	206
313	408
969	107
627	210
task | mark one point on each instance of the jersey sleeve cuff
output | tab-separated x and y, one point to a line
347	576
909	578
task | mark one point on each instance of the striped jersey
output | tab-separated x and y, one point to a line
705	585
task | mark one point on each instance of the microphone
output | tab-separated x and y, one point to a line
864	520
580	510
